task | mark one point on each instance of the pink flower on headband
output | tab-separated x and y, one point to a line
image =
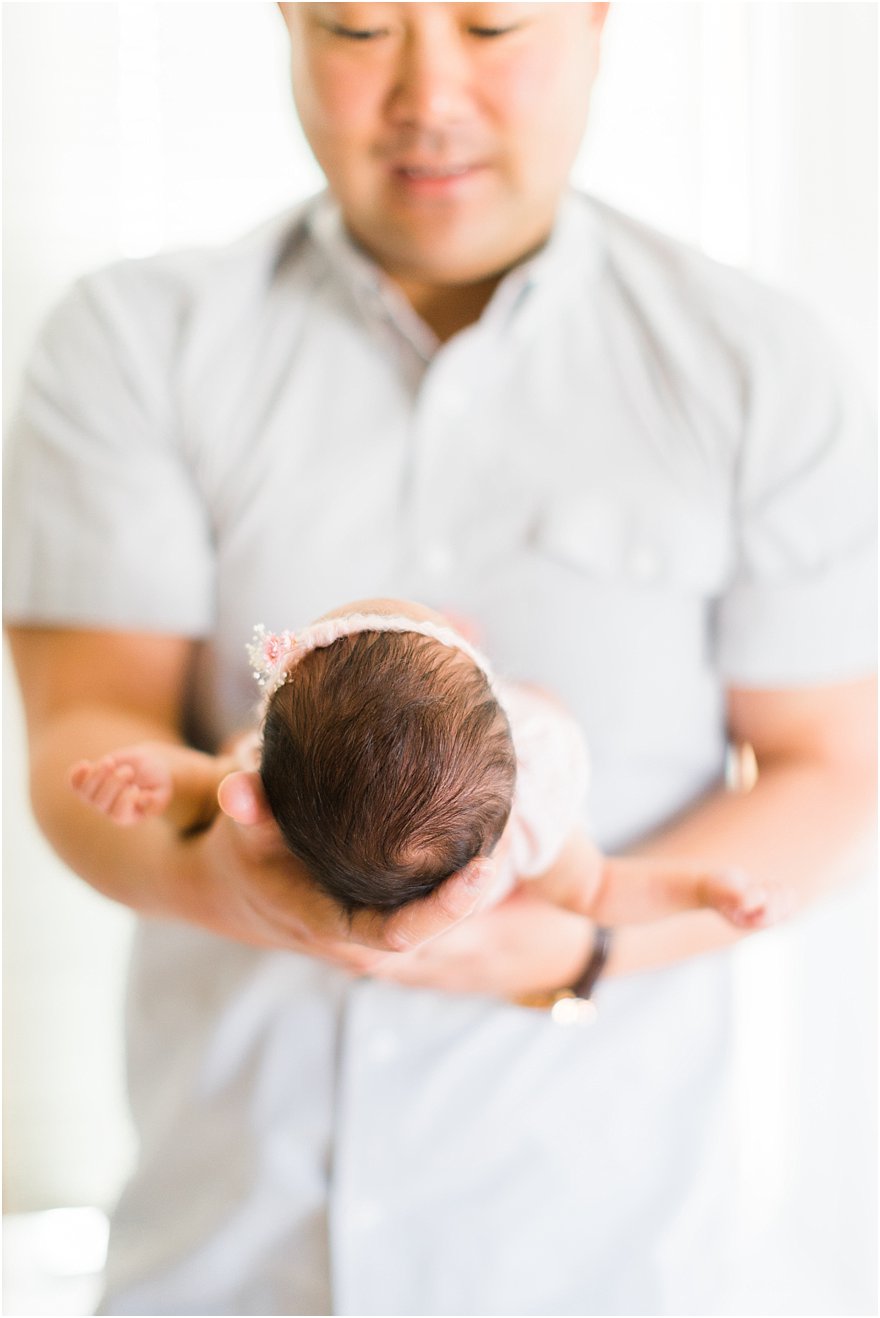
273	655
269	654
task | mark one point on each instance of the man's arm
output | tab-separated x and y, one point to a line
806	826
86	693
803	825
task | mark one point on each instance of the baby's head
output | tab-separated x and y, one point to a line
387	759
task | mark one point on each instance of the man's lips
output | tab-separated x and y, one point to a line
422	179
419	171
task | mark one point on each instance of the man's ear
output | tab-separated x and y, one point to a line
242	798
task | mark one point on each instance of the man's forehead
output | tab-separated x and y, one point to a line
391	10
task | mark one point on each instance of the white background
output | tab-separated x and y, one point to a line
747	129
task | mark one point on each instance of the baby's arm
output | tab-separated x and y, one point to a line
555	859
153	778
636	890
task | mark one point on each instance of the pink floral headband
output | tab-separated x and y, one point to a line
274	655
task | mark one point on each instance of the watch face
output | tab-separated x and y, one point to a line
564	1006
570	1010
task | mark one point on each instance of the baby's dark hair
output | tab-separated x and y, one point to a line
388	764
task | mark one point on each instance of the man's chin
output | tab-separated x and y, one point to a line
471	258
451	246
452	272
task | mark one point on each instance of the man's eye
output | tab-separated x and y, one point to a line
357	34
489	32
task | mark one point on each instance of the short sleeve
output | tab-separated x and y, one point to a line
551	779
103	523
801	605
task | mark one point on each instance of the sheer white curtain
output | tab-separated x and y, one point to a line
748	129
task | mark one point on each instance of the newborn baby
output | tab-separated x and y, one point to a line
391	758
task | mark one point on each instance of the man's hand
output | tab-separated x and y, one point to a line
87	693
807	825
257	892
540	938
522	946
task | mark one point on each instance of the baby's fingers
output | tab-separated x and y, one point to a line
101	782
745	903
115	780
79	775
126	808
89	778
134	804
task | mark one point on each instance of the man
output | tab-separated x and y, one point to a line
451	380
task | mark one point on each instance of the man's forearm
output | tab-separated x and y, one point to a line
87	693
240	882
149	868
804	827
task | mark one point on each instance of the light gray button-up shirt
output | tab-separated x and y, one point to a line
647	478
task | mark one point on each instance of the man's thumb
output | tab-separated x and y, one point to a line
242	798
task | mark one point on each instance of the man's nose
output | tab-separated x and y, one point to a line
432	84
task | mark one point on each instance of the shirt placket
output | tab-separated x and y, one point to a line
439	468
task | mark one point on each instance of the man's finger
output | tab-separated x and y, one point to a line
241	797
424	919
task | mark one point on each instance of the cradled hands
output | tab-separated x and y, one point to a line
236	877
522	946
535	939
538	938
244	884
262	895
258	892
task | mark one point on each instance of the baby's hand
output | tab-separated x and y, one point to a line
740	900
128	785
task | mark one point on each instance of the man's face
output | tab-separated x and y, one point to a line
446	131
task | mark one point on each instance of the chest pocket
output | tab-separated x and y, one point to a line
672	546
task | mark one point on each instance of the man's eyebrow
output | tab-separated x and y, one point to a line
345	9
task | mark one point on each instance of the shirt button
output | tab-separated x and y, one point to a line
438	559
644	564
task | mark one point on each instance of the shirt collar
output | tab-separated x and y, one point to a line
572	253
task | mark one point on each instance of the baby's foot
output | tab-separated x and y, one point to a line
126	786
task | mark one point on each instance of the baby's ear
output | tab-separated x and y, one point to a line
241	797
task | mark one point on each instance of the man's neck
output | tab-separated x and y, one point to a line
449	308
